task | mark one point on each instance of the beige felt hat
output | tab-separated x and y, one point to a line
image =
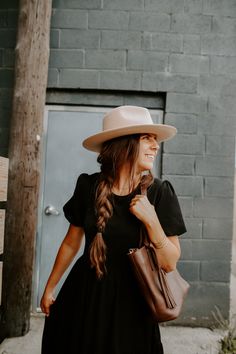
127	120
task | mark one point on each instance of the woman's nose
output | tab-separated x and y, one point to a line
155	146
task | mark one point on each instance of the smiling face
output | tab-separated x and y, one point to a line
148	148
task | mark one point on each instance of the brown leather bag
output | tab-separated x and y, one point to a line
164	292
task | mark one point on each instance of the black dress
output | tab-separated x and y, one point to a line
108	316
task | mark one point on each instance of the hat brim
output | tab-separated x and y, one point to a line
162	131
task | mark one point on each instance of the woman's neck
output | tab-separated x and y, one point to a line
123	185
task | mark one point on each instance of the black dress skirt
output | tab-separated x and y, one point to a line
108	316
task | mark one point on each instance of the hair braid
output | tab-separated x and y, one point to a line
104	212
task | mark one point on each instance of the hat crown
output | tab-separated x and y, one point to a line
126	116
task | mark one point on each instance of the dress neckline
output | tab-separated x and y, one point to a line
127	195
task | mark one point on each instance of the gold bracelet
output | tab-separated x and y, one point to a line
160	244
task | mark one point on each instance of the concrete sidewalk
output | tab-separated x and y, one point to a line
176	340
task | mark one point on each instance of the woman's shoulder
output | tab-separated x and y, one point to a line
161	183
159	189
86	180
85	177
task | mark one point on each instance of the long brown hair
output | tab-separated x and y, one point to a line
115	153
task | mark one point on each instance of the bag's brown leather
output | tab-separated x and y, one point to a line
164	292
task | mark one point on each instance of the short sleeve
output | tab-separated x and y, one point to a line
74	209
168	210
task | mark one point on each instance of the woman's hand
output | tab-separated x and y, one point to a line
143	209
46	301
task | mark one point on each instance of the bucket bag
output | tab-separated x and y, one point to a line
164	292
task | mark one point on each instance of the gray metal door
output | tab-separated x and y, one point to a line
64	160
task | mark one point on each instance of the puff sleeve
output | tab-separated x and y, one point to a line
74	209
168	210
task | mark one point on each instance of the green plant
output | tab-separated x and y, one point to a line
228	342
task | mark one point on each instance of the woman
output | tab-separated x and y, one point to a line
99	309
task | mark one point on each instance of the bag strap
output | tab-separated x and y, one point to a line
153	194
143	239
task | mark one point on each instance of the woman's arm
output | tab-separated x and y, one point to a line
169	251
66	253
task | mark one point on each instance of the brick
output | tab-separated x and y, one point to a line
167	42
185	103
194	24
225	25
120	80
213	207
120	40
5	116
77	4
69	19
218	228
109	19
7	38
219	187
146	41
186	205
186	185
193	6
123	4
189	270
148	21
78	78
218	44
4	137
72	38
186	249
223	65
220	145
8	58
53	77
220	7
6	98
12	20
178	164
192	44
3	18
215	271
186	144
185	123
54	38
225	105
147	61
168	6
60	58
169	82
105	59
211	250
214	166
191	64
6	78
217	85
205	296
218	124
194	228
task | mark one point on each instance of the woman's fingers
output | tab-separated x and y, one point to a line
45	304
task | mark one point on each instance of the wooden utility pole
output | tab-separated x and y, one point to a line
31	69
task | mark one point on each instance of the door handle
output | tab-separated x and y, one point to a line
51	210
